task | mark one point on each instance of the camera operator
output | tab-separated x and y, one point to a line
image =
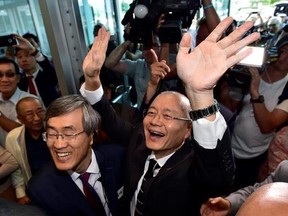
263	111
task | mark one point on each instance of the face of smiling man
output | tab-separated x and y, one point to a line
166	123
74	151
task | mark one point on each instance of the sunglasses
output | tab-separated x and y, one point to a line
8	75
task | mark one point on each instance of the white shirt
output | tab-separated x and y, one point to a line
7	107
95	174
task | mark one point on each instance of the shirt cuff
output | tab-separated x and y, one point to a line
20	191
92	96
40	57
207	133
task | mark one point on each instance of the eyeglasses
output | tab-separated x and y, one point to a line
164	116
50	137
8	75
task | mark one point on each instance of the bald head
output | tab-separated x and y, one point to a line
268	200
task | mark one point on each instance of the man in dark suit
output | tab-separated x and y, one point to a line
60	188
189	169
37	71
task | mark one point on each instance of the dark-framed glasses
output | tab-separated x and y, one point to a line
8	75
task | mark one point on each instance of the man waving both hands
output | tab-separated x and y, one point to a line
188	169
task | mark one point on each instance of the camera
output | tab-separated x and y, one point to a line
7	40
178	14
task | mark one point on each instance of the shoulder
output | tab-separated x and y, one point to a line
14	134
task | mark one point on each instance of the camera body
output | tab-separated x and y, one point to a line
178	14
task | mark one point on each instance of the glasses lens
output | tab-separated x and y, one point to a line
9	75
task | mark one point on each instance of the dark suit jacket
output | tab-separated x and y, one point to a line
46	82
188	178
56	192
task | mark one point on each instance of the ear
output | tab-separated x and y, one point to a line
189	131
20	118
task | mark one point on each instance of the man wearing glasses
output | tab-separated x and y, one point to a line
82	180
26	144
10	94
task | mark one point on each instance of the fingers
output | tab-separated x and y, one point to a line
217	33
236	35
185	44
154	56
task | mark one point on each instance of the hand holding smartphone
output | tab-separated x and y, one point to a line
7	40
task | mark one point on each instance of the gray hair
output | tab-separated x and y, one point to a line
66	104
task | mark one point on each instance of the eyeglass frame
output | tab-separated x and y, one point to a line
165	116
64	136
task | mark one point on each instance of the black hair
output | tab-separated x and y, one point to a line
30	35
4	60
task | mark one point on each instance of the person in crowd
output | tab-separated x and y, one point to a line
80	180
230	205
274	25
34	40
10	94
263	110
39	75
268	200
138	70
26	144
190	164
8	164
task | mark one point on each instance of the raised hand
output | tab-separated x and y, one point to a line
94	60
23	43
158	69
216	207
201	68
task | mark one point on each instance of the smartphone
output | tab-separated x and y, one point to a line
256	57
7	40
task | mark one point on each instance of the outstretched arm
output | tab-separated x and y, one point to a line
201	68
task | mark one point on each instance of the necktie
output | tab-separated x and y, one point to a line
91	194
147	177
32	88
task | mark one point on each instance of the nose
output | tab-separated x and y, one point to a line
156	120
60	142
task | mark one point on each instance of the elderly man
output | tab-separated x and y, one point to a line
186	170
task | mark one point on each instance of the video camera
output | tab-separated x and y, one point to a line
178	14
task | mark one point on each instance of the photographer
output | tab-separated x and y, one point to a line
262	112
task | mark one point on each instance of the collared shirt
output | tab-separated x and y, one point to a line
161	163
7	107
95	175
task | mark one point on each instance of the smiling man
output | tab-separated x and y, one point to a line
60	188
10	94
190	164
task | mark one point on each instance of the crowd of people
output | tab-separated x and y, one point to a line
192	144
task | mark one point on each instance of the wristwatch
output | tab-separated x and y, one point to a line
260	99
202	113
